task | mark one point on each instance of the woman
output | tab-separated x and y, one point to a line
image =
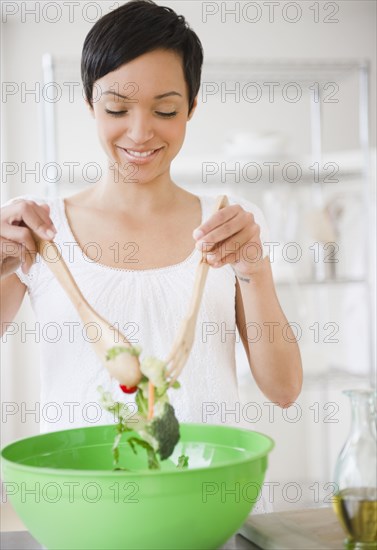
133	240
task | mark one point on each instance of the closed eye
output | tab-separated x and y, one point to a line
120	113
167	115
115	113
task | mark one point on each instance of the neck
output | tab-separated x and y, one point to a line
144	198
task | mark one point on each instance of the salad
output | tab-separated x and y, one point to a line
155	423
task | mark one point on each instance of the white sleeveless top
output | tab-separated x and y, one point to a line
148	307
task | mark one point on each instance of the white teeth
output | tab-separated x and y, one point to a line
138	154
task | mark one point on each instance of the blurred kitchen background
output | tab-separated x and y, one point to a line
289	87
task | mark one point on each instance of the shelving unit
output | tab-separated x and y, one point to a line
304	72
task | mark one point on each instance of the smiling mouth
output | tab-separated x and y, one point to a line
140	154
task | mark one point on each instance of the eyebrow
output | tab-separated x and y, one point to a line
161	96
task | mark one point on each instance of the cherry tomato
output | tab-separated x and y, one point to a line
128	389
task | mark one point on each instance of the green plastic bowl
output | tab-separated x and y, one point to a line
63	487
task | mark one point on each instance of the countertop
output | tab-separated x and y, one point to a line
22	540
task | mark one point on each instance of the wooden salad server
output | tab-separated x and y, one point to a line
185	338
125	367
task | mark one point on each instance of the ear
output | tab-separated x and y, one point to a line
91	110
193	108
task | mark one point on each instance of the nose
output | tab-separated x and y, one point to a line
140	128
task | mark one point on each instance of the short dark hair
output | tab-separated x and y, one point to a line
133	29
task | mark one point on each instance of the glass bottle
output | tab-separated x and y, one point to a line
355	502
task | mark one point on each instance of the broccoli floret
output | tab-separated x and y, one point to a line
165	430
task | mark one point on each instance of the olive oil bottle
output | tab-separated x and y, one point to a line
357	512
355	501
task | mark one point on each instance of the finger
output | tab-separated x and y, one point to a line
33	216
223	232
249	234
45	214
220	217
43	210
232	245
19	235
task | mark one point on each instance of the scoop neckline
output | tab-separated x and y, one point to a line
120	269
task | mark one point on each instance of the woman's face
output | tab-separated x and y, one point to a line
142	131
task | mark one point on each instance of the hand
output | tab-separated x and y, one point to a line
231	236
17	244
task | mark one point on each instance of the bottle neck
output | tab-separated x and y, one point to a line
363	411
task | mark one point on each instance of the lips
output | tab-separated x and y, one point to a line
140	157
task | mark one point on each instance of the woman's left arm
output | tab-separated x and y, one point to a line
273	353
231	236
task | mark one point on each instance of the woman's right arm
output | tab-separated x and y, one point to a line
18	248
12	292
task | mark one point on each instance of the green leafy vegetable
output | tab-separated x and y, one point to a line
182	462
153	463
159	435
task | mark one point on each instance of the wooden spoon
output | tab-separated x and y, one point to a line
124	367
185	337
